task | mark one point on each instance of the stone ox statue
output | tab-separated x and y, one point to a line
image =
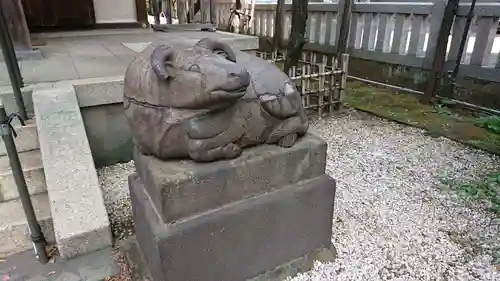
207	102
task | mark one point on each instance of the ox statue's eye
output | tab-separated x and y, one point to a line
194	68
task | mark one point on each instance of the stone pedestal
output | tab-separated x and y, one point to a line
232	220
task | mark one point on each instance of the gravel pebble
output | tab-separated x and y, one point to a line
114	183
394	217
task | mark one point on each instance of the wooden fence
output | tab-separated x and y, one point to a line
402	33
321	79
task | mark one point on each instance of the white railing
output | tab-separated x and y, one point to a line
401	33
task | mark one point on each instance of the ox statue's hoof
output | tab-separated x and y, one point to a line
288	140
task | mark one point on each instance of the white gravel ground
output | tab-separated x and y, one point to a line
394	218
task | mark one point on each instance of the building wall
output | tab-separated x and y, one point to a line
115	11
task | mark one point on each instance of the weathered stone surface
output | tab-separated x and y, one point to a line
26	140
80	219
237	241
95	266
130	249
207	102
33	173
184	188
14	229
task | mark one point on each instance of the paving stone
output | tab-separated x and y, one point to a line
95	266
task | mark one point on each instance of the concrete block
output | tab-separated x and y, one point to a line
9	101
31	163
26	140
24	55
99	91
184	188
14	230
50	69
243	43
132	253
237	241
108	134
81	223
87	67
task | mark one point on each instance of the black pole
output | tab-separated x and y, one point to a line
461	48
9	55
35	230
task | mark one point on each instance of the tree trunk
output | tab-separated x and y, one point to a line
278	25
296	39
16	21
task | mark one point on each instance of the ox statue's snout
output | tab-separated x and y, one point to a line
237	81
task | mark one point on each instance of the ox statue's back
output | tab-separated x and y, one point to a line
207	102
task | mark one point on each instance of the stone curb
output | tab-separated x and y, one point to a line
81	223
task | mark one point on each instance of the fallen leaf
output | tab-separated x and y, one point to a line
2	260
51	273
498	267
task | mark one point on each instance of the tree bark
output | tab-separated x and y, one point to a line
296	39
16	21
278	25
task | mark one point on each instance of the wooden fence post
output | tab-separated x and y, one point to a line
181	11
343	25
443	15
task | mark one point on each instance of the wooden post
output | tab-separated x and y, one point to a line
16	21
181	11
344	64
168	11
252	11
278	25
296	40
213	11
438	41
342	32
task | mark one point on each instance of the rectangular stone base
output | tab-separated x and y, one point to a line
238	240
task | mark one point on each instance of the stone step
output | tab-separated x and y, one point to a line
33	173
14	230
26	140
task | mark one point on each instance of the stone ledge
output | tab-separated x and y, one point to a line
81	223
24	55
237	241
184	188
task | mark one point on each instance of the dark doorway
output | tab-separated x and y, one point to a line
58	14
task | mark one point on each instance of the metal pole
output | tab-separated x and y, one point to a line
37	237
11	62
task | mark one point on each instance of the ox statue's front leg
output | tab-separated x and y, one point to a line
213	136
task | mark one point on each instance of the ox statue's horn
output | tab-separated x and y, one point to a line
161	57
216	47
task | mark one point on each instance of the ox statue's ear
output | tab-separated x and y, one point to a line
162	62
217	47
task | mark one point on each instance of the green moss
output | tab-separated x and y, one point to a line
438	120
487	189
